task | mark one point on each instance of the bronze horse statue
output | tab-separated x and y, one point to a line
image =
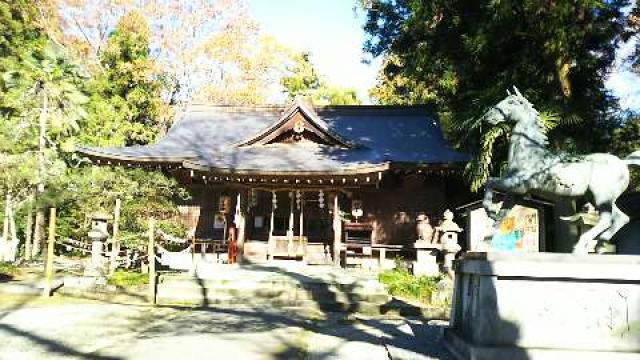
533	168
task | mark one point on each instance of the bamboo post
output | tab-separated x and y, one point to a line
49	264
151	257
115	243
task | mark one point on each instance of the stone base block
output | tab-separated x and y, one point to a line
387	264
546	306
465	350
425	269
369	264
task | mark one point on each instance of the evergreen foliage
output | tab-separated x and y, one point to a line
47	95
303	79
461	56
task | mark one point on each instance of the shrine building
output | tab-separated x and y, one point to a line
304	182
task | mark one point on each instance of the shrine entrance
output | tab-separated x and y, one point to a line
294	224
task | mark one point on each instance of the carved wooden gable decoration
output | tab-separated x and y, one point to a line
298	124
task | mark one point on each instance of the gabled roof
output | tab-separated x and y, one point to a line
240	140
309	119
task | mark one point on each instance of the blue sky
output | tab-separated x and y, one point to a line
329	30
332	33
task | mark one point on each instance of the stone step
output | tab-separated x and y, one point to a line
369	289
196	292
370	285
310	305
362	294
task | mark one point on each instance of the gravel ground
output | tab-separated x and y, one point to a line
110	331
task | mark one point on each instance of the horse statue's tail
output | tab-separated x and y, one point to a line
633	159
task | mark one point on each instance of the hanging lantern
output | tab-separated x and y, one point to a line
321	199
253	198
224	204
274	200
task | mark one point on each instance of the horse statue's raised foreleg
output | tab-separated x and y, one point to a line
494	210
487	202
588	242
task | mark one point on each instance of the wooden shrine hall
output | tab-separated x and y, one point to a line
304	182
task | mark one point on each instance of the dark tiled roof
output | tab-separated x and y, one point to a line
207	137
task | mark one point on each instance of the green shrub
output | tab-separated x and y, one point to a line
402	283
8	271
128	278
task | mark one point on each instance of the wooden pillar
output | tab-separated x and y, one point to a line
337	230
12	254
240	227
291	219
290	245
301	219
272	246
193	255
4	242
115	243
151	257
49	264
28	231
38	232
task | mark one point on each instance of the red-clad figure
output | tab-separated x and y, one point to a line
233	244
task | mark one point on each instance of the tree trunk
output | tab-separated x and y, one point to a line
28	231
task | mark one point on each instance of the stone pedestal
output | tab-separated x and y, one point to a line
545	306
97	267
450	248
426	263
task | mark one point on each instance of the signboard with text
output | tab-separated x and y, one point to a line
519	231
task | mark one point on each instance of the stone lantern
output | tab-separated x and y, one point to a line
97	266
449	239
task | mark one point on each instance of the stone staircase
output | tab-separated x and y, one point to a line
323	288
